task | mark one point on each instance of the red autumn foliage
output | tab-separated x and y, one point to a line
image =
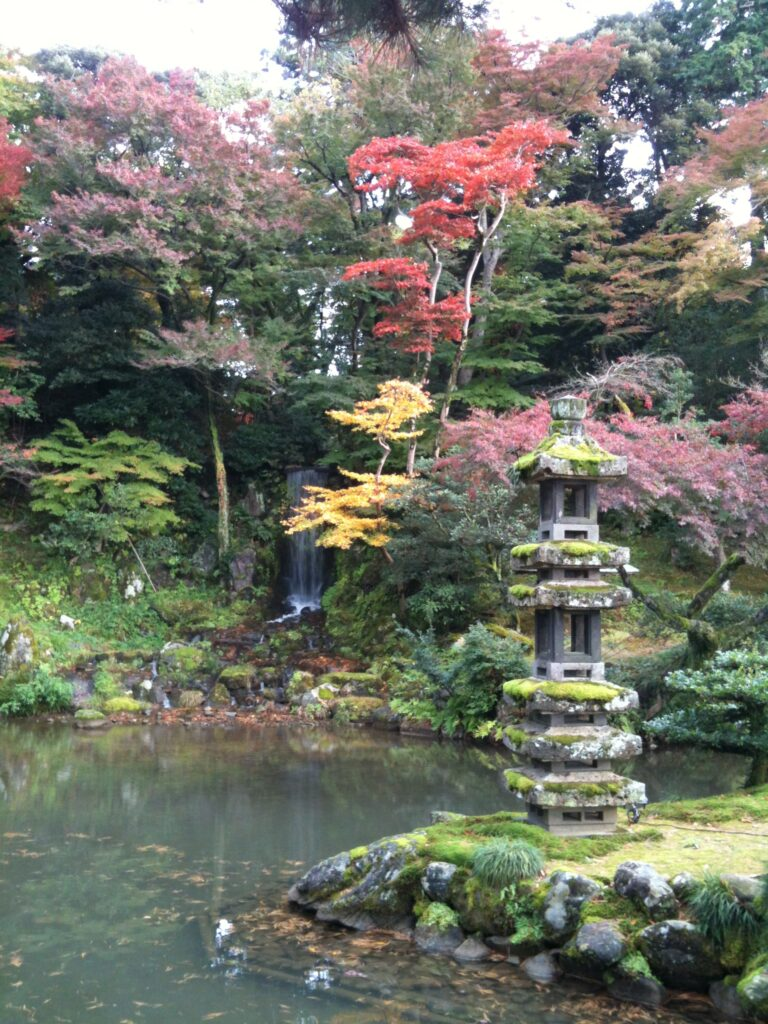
558	81
14	160
675	469
413	322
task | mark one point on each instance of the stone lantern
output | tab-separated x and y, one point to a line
559	720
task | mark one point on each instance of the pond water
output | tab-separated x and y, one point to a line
124	854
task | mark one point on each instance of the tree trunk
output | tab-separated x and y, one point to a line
758	770
222	490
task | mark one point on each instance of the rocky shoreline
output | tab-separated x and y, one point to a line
632	934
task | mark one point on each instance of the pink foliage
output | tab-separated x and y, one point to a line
746	417
156	179
717	492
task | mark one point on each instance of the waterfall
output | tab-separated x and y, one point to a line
306	562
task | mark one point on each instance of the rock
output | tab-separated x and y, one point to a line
205	559
237	677
752	991
643	884
318	695
746	888
88	718
436	880
356	710
438	817
595	947
241	569
726	1000
219	696
417	727
500	943
16	648
636	988
186	664
680	956
363	882
190	699
683	885
67	621
352	684
542	968
562	904
432	939
321	881
472	951
299	684
386	719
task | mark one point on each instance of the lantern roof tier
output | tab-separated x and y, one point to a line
574	789
577	553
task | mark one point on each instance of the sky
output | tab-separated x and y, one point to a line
219	35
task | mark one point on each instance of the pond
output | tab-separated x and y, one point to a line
125	855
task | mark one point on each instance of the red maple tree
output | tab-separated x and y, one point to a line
455	191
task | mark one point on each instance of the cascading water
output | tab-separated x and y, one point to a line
306	562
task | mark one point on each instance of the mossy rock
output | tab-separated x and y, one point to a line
352	684
219	696
237	677
90	718
17	649
356	710
480	908
187	664
190	699
299	684
117	704
752	990
179	609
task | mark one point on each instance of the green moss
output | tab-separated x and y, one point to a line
635	964
521	690
520	591
237	677
356	709
88	715
584	788
573	548
455	841
515	736
564	739
121	704
519	783
584	456
358	852
611	907
439	915
746	803
366	681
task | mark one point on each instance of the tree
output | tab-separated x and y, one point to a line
326	22
358	512
677	470
722	707
159	212
103	492
458	191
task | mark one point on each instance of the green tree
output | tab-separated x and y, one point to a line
103	493
724	707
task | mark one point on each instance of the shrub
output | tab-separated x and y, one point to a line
43	692
500	863
121	704
719	914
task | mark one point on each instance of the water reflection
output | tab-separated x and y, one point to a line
142	874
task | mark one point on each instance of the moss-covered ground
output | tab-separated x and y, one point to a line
722	833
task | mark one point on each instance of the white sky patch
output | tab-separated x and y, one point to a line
231	35
736	205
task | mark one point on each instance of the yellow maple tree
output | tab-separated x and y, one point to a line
357	512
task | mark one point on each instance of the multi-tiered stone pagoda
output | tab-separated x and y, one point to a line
559	719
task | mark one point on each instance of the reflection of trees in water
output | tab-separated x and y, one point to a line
684	773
